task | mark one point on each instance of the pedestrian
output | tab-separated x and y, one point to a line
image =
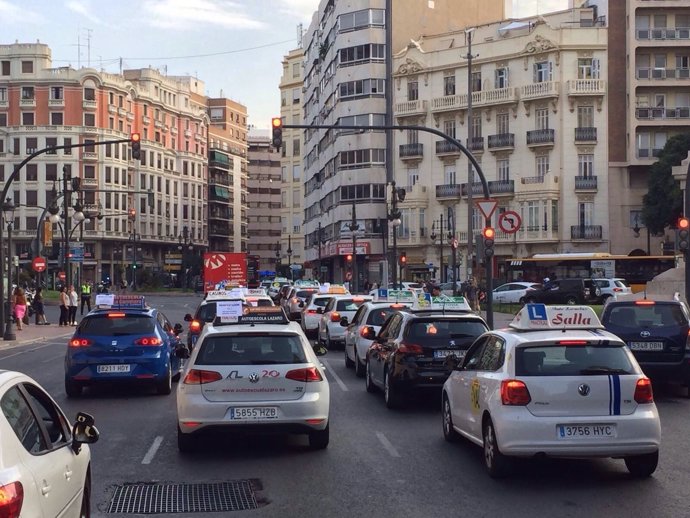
39	308
73	304
85	296
64	306
19	301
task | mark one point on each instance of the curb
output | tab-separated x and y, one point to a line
11	344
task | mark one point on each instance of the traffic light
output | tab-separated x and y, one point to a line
488	236
403	258
277	125
132	214
349	258
136	146
683	234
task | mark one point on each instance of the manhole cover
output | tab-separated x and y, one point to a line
237	495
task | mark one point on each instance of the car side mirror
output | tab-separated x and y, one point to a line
177	329
83	431
319	311
319	349
453	363
188	317
369	333
344	322
182	352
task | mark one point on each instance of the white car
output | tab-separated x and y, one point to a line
514	292
555	383
311	313
330	331
45	464
294	302
363	328
612	287
259	372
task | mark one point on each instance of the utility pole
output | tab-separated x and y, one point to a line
67	200
354	226
318	238
454	248
470	170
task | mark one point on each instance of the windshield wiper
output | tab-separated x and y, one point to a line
603	370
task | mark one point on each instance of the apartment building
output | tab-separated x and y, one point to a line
649	74
538	129
346	172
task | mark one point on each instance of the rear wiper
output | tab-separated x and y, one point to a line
603	370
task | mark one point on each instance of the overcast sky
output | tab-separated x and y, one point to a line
247	37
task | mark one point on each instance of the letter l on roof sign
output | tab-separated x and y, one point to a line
487	207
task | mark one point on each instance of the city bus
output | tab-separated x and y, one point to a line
636	270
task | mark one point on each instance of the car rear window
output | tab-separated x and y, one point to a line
621	283
250	349
348	304
321	301
420	329
103	325
572	360
303	294
656	315
378	316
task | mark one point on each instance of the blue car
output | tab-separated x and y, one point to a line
124	341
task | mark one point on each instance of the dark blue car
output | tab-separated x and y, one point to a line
125	341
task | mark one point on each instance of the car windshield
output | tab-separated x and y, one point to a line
572	360
104	325
637	316
425	328
378	316
251	349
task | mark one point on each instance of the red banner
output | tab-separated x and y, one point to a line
222	269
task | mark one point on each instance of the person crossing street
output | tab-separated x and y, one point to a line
85	296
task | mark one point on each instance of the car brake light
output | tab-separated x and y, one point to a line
195	326
335	317
617	289
572	342
397	306
116	315
643	391
199	377
80	342
365	332
306	374
357	299
644	302
11	499
311	312
405	348
687	342
515	393
148	340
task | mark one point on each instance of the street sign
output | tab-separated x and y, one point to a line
487	207
76	251
38	264
62	276
509	222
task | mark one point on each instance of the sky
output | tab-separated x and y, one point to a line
234	46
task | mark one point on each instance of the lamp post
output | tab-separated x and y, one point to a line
636	229
277	257
454	247
289	255
354	227
8	212
185	245
470	170
397	194
433	237
318	243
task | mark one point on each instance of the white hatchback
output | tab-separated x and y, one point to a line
340	306
311	313
256	374
45	465
556	384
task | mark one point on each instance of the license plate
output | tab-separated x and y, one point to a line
252	413
443	353
103	369
586	431
646	346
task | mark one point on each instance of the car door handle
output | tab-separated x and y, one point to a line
46	488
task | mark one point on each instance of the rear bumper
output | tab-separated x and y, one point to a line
667	371
141	370
409	378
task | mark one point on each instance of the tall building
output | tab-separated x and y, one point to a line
345	172
538	129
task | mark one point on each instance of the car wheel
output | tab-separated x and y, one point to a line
449	433
164	387
186	443
642	466
371	388
73	388
521	301
359	366
391	395
329	344
348	362
497	464
571	300
85	511
318	440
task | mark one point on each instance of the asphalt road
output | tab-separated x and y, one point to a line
379	462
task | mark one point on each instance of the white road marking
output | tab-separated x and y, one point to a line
339	381
387	445
24	352
50	360
152	450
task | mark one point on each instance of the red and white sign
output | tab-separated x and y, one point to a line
509	222
487	207
224	269
38	264
62	276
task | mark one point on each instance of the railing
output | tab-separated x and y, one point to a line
586	87
541	136
411	107
681	33
586	183
663	73
452	190
482	98
475	143
537	90
682	112
502	140
56	102
495	187
585	134
443	146
585	232
411	150
89	104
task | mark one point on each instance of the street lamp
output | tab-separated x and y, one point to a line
277	257
394	216
8	213
354	227
289	255
185	245
318	243
433	237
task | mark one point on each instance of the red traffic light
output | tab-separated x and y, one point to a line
349	258
276	122
488	233
135	137
683	224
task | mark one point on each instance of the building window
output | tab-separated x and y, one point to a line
585	116
585	213
295	147
533	210
68	150
27	93
476	81
90	120
51	173
56	93
5	68
56	118
27	119
503	123
27	67
412	90
541	118
542	165
501	78
449	128
296	172
449	175
542	72
3	94
363	87
585	165
89	94
412	177
51	142
449	85
588	68
361	19
3	119
503	169
295	95
31	173
295	70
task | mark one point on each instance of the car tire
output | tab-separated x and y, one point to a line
85	510
186	443
368	383
318	440
449	433
571	300
391	395
164	387
329	344
521	301
497	465
360	369
348	362
73	388
642	466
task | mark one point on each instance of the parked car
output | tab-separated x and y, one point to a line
514	292
612	287
565	291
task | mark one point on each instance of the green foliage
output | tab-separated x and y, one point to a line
663	203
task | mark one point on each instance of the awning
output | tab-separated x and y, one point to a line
222	192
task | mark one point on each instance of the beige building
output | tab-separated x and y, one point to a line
538	130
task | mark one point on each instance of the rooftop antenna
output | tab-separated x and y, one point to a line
300	32
88	47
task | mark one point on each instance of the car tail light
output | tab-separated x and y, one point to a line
617	289
199	377
80	342
365	332
306	374
644	302
514	392
11	500
687	342
116	315
311	312
195	326
335	317
643	391
148	340
405	348
572	342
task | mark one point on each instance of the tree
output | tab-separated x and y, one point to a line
663	203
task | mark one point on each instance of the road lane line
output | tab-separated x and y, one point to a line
387	445
152	450
340	382
50	360
23	352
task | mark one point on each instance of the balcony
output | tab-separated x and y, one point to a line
585	134
443	147
668	114
649	153
668	36
411	151
496	96
586	232
223	215
187	133
655	74
89	104
130	116
157	123
219	231
502	141
547	183
173	130
27	103
4	103
122	112
56	103
475	144
585	183
112	109
145	119
409	108
586	87
89	183
89	155
496	187
449	191
541	137
544	90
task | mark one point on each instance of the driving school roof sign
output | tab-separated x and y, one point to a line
540	317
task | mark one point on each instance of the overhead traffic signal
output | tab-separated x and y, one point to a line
135	138
683	234
277	129
403	258
488	236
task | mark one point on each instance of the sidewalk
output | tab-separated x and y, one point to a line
33	333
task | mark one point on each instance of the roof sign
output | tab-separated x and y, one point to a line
540	317
333	289
228	312
112	301
443	303
255	292
305	283
235	293
383	294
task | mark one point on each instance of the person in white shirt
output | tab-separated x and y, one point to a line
73	304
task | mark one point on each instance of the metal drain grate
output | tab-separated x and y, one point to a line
235	495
